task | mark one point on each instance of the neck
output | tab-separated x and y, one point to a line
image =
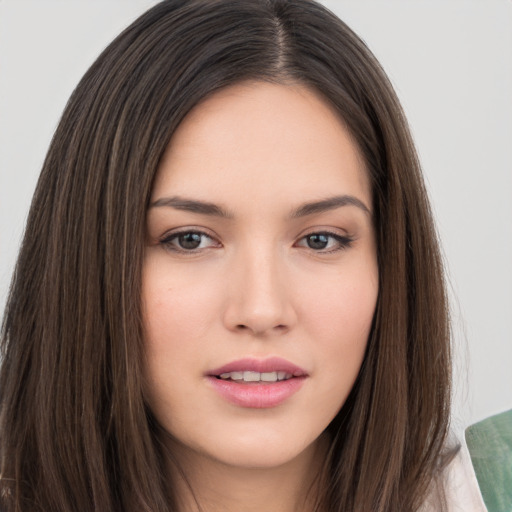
206	485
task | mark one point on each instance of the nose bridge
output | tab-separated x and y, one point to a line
259	299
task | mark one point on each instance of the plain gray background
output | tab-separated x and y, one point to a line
451	64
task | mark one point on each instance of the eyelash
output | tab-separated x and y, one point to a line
167	241
343	241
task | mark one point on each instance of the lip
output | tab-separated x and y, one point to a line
271	364
257	395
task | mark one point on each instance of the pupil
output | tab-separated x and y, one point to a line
190	240
318	241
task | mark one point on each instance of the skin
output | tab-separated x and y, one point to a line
257	287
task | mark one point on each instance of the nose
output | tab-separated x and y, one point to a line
259	294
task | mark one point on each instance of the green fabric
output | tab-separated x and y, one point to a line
490	446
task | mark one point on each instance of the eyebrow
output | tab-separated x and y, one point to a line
194	206
207	208
330	203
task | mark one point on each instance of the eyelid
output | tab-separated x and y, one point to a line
344	240
166	239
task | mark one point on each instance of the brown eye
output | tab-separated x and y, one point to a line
325	242
317	241
188	241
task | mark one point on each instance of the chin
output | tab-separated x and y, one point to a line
255	448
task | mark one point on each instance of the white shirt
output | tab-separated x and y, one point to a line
461	486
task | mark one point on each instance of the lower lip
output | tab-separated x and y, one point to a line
255	395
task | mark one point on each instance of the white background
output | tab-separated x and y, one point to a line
451	64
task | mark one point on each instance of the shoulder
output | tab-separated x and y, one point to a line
456	489
462	490
490	445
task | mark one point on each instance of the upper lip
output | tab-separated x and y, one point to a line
272	364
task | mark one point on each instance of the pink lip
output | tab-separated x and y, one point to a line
272	364
257	395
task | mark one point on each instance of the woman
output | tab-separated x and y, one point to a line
229	294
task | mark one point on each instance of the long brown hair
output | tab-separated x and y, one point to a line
75	432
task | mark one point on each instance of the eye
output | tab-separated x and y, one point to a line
188	241
325	242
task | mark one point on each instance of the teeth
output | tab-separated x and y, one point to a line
252	376
232	375
248	376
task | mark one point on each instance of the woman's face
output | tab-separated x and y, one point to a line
260	277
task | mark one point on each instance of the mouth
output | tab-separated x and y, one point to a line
254	383
273	369
249	376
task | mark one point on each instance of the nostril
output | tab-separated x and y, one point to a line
243	327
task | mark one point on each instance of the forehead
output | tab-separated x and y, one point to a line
261	137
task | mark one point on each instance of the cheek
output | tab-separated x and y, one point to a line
338	317
178	315
177	306
342	307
